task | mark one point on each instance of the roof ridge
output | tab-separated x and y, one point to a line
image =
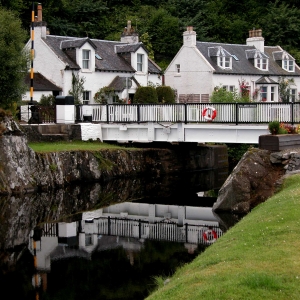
203	42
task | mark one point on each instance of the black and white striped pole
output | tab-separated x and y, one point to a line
32	54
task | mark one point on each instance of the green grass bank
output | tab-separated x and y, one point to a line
259	258
44	147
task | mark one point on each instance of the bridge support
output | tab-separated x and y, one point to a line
180	132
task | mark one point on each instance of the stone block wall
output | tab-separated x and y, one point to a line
290	160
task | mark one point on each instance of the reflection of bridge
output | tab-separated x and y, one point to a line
183	224
133	221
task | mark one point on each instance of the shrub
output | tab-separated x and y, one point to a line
47	100
274	127
287	128
145	94
165	94
221	95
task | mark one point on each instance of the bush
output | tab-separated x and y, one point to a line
145	95
274	127
281	128
165	94
221	95
47	100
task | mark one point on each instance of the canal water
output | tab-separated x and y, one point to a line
108	241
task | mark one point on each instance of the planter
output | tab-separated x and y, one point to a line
279	142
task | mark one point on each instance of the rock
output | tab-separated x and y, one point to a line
251	182
22	170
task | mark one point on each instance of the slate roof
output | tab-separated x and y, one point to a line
241	65
129	48
119	83
110	60
265	80
41	83
77	43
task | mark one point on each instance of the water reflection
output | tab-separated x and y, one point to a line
113	251
137	232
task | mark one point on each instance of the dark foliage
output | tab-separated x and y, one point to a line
165	94
145	95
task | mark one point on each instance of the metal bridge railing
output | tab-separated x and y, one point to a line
236	113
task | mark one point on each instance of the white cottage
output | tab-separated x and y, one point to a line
199	67
123	65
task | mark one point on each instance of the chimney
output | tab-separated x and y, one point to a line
40	25
189	37
255	39
40	15
128	27
129	35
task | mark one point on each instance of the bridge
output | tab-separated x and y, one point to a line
180	122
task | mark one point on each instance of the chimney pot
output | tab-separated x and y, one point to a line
255	33
40	15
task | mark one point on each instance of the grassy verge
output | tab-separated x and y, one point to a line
72	146
256	259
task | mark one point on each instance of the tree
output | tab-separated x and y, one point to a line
165	34
77	87
14	59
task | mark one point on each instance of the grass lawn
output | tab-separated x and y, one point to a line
43	147
259	258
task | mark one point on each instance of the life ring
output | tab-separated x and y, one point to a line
209	113
207	236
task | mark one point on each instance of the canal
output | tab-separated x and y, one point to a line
113	240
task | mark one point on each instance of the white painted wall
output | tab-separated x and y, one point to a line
195	75
55	70
91	131
36	95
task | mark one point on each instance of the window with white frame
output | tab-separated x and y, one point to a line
177	68
288	65
224	62
86	59
86	97
261	63
229	88
115	99
293	95
272	93
140	58
263	93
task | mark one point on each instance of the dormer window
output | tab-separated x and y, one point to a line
288	65
258	58
261	61
86	59
224	62
224	58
